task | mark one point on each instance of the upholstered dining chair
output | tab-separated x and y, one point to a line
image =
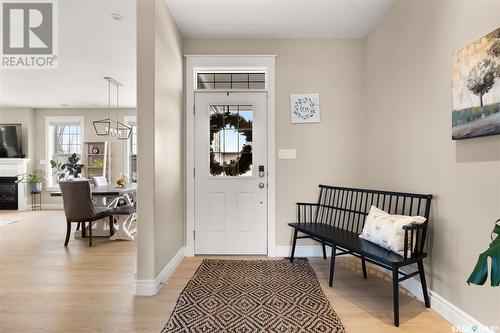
79	207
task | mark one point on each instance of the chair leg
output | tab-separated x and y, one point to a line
90	233
78	226
68	233
111	226
295	234
395	294
424	283
84	230
332	264
363	264
324	250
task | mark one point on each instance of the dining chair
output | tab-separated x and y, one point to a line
100	181
101	201
80	208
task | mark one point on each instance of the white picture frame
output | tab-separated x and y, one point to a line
304	108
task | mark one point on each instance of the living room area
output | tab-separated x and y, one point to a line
251	166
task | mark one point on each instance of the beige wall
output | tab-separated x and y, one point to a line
161	138
329	152
409	70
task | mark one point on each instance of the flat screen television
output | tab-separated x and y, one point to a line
10	139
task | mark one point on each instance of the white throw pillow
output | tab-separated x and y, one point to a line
386	230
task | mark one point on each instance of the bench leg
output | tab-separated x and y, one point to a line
332	264
295	234
363	264
324	250
424	284
395	294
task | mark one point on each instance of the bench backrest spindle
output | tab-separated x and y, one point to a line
347	208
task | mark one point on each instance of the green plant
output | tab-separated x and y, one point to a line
70	168
480	272
31	178
98	163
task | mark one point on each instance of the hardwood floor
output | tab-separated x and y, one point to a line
45	287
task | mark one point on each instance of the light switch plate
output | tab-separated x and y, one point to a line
287	153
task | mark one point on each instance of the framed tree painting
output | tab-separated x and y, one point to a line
476	88
305	108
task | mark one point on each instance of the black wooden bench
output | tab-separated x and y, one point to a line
338	218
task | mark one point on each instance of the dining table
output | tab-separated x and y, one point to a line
109	190
115	193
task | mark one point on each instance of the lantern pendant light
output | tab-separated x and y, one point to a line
112	127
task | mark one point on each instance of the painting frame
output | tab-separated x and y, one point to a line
476	88
305	108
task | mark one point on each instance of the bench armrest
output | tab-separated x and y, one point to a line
414	239
306	212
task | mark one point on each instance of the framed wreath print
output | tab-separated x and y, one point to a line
305	108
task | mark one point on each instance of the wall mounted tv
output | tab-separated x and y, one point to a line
10	141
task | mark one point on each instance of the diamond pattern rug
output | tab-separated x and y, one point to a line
253	296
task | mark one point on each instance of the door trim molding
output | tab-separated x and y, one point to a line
265	63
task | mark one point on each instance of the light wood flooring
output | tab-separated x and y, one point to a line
45	287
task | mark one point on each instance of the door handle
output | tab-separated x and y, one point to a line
261	185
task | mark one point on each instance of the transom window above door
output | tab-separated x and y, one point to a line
242	81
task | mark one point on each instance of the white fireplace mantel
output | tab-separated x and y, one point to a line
12	167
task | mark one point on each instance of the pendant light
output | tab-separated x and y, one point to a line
112	127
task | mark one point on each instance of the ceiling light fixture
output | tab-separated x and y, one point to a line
112	127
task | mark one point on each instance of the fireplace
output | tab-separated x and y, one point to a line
8	193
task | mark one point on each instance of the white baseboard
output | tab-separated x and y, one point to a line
153	286
456	316
52	206
461	320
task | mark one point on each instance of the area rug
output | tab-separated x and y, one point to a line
253	296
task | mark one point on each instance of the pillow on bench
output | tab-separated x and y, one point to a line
386	230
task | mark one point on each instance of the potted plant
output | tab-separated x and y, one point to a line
67	170
34	179
480	273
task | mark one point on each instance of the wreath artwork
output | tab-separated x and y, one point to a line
243	162
305	108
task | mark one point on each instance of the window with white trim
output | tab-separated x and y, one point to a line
64	137
133	154
130	161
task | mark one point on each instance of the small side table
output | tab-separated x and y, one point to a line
34	205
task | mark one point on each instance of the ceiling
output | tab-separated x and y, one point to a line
91	45
277	18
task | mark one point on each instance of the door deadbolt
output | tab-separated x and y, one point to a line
261	171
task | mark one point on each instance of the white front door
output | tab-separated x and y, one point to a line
230	173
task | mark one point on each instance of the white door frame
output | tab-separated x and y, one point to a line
197	63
